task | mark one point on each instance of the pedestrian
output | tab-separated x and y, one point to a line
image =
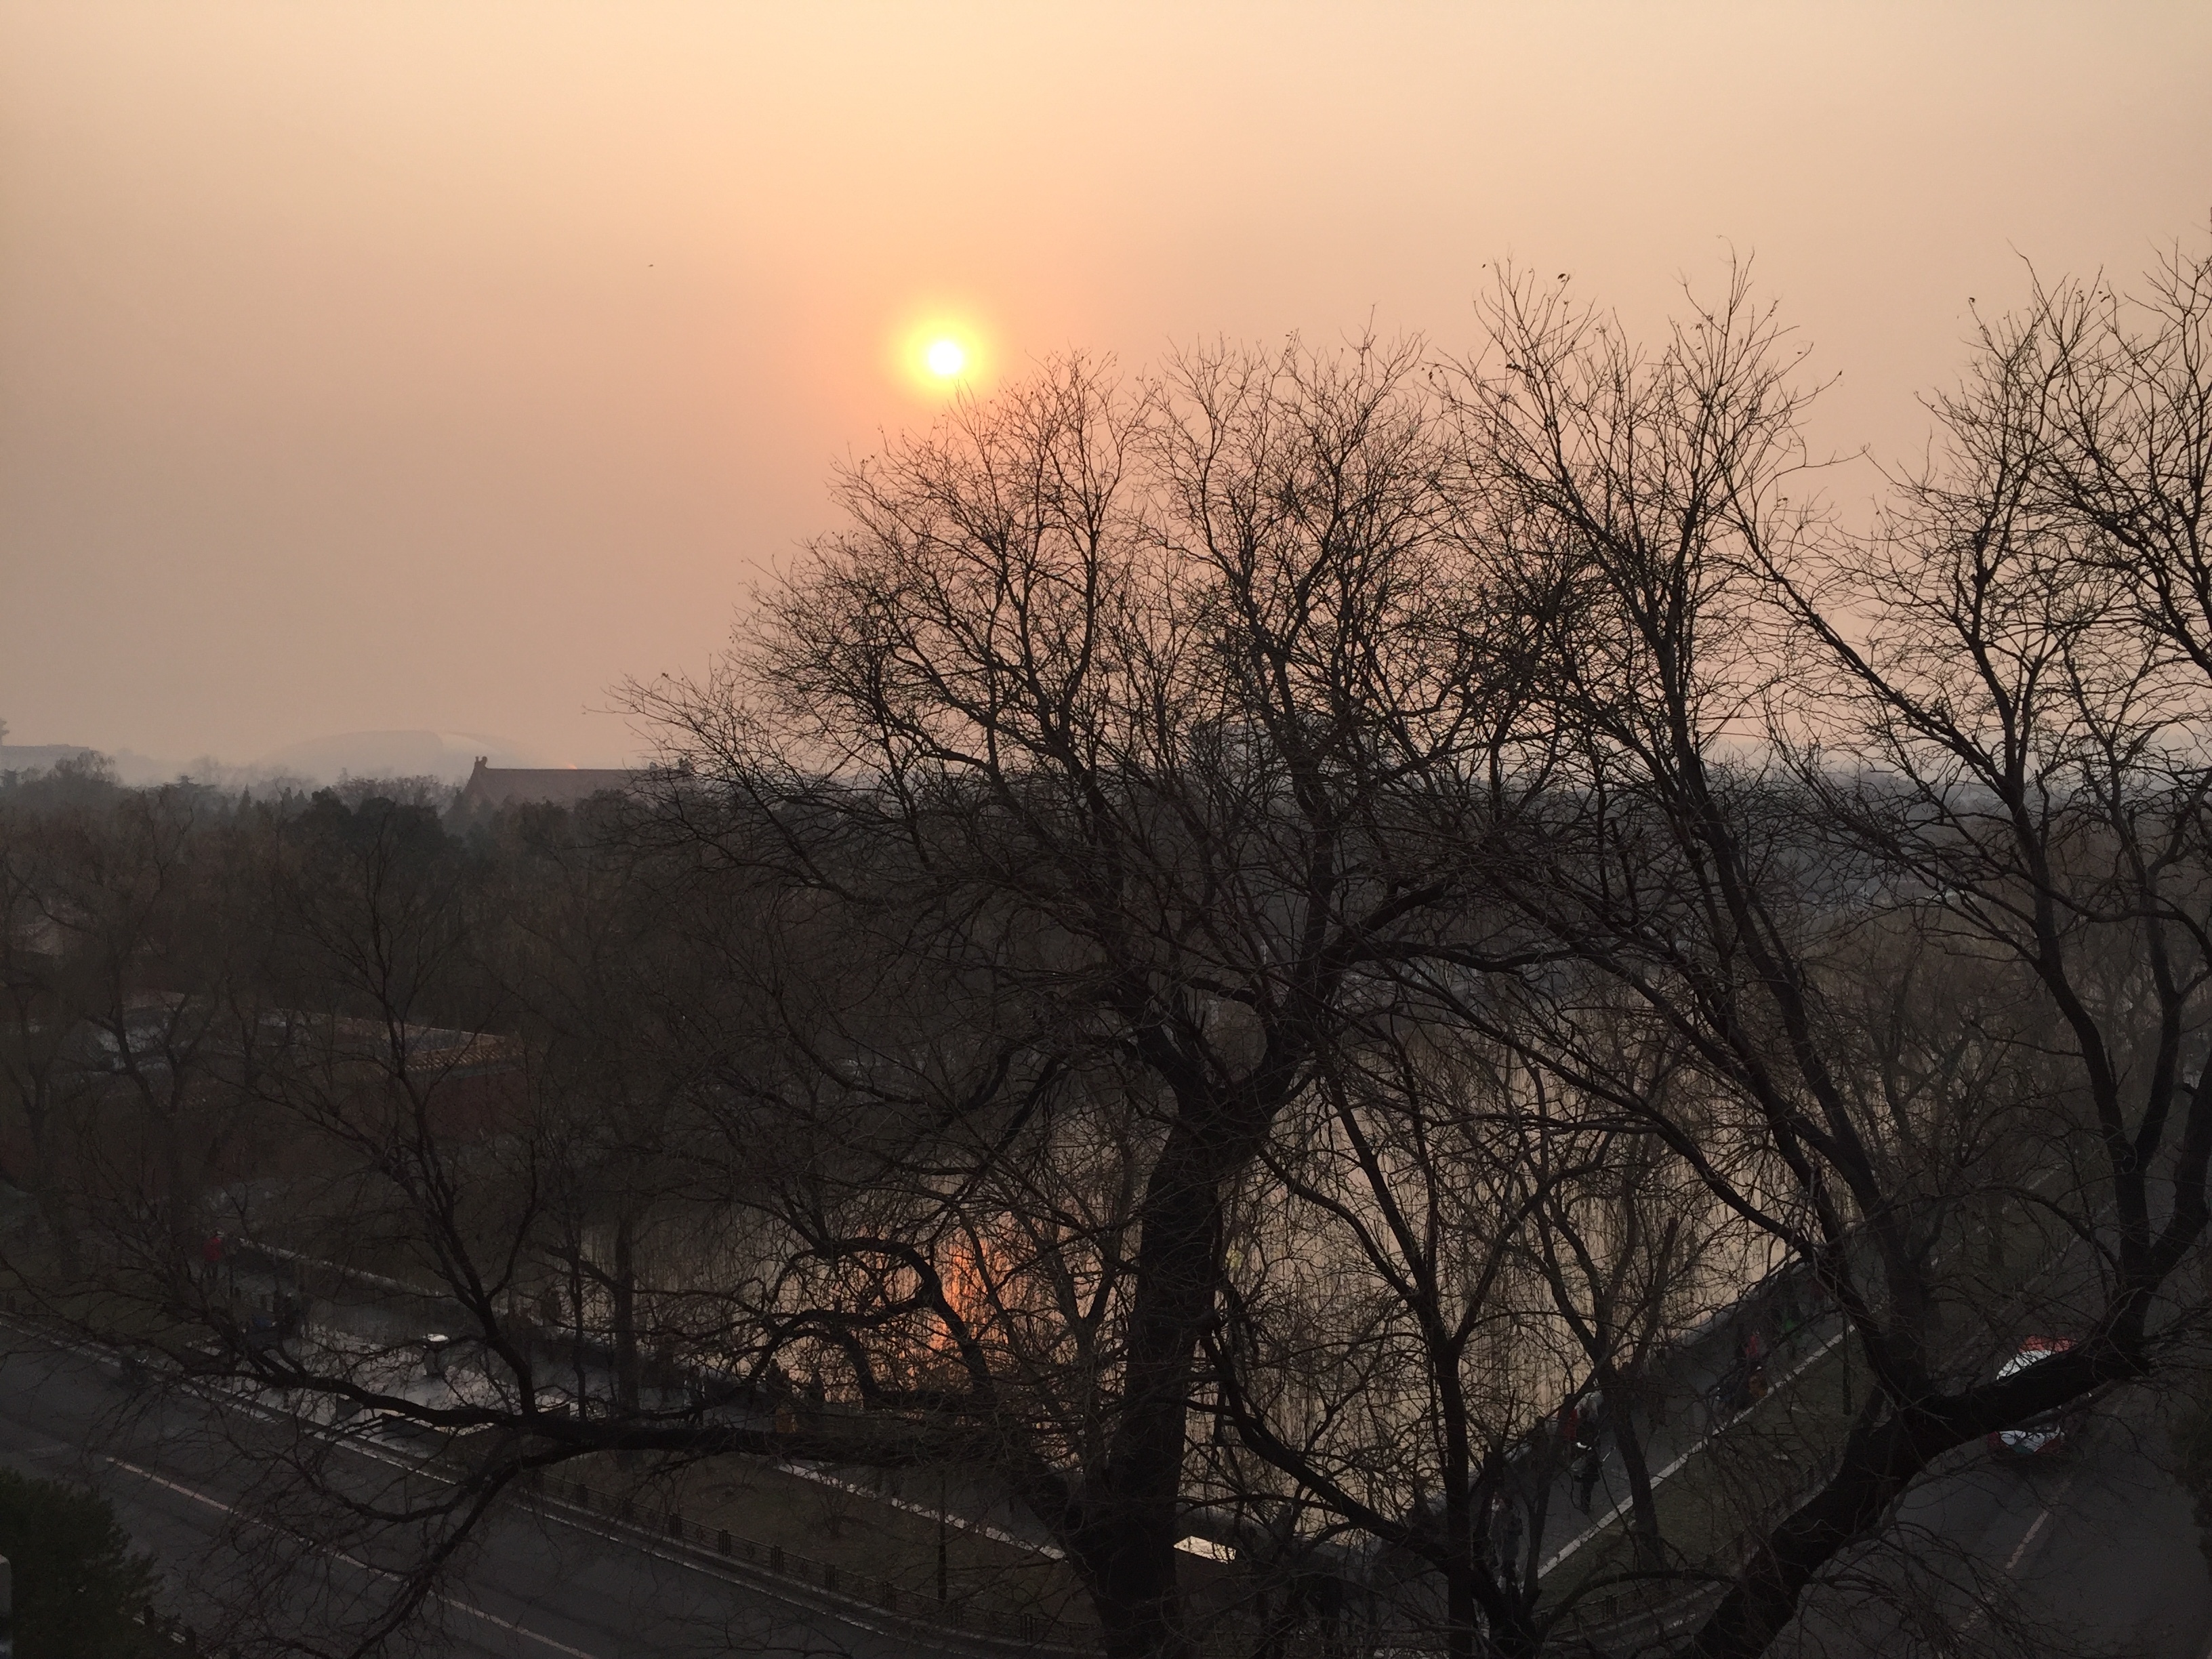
1586	1478
1505	1528
1589	1421
1732	1395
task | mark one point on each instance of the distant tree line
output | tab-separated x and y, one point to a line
1243	951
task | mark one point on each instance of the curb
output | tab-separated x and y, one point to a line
737	1565
769	1567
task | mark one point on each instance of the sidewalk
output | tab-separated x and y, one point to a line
1787	1371
864	1535
1719	1492
1721	1479
1692	1380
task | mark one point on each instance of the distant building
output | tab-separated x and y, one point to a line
490	788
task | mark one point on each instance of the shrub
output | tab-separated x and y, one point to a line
78	1582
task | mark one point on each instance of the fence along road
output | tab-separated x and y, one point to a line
538	1589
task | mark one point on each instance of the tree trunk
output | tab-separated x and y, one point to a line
1125	1538
51	1191
624	1293
576	1313
1621	1394
1876	1467
1463	1631
1132	1584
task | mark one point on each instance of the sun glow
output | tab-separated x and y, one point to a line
944	352
945	357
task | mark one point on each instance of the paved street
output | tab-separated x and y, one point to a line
534	1589
2093	1552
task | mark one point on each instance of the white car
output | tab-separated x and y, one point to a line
2048	1433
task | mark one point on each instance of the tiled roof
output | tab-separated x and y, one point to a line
503	786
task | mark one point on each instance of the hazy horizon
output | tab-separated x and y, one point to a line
432	368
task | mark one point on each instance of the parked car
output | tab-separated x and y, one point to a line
2039	1437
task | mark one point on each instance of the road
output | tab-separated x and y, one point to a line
2089	1550
2092	1551
531	1589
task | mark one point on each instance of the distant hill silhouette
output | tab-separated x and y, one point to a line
37	756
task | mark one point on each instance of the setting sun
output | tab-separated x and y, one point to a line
943	351
945	358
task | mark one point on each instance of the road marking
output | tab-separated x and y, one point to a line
2020	1550
452	1602
850	1613
1696	1446
843	1609
2014	1560
2056	1498
1051	1552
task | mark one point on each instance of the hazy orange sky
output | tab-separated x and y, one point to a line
438	365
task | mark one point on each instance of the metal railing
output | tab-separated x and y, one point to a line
1031	1631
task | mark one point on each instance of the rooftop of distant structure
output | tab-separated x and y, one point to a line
492	787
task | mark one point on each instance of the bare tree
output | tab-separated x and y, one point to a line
1789	736
1446	1258
1239	903
1382	1364
141	963
1035	843
1623	1248
1121	685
